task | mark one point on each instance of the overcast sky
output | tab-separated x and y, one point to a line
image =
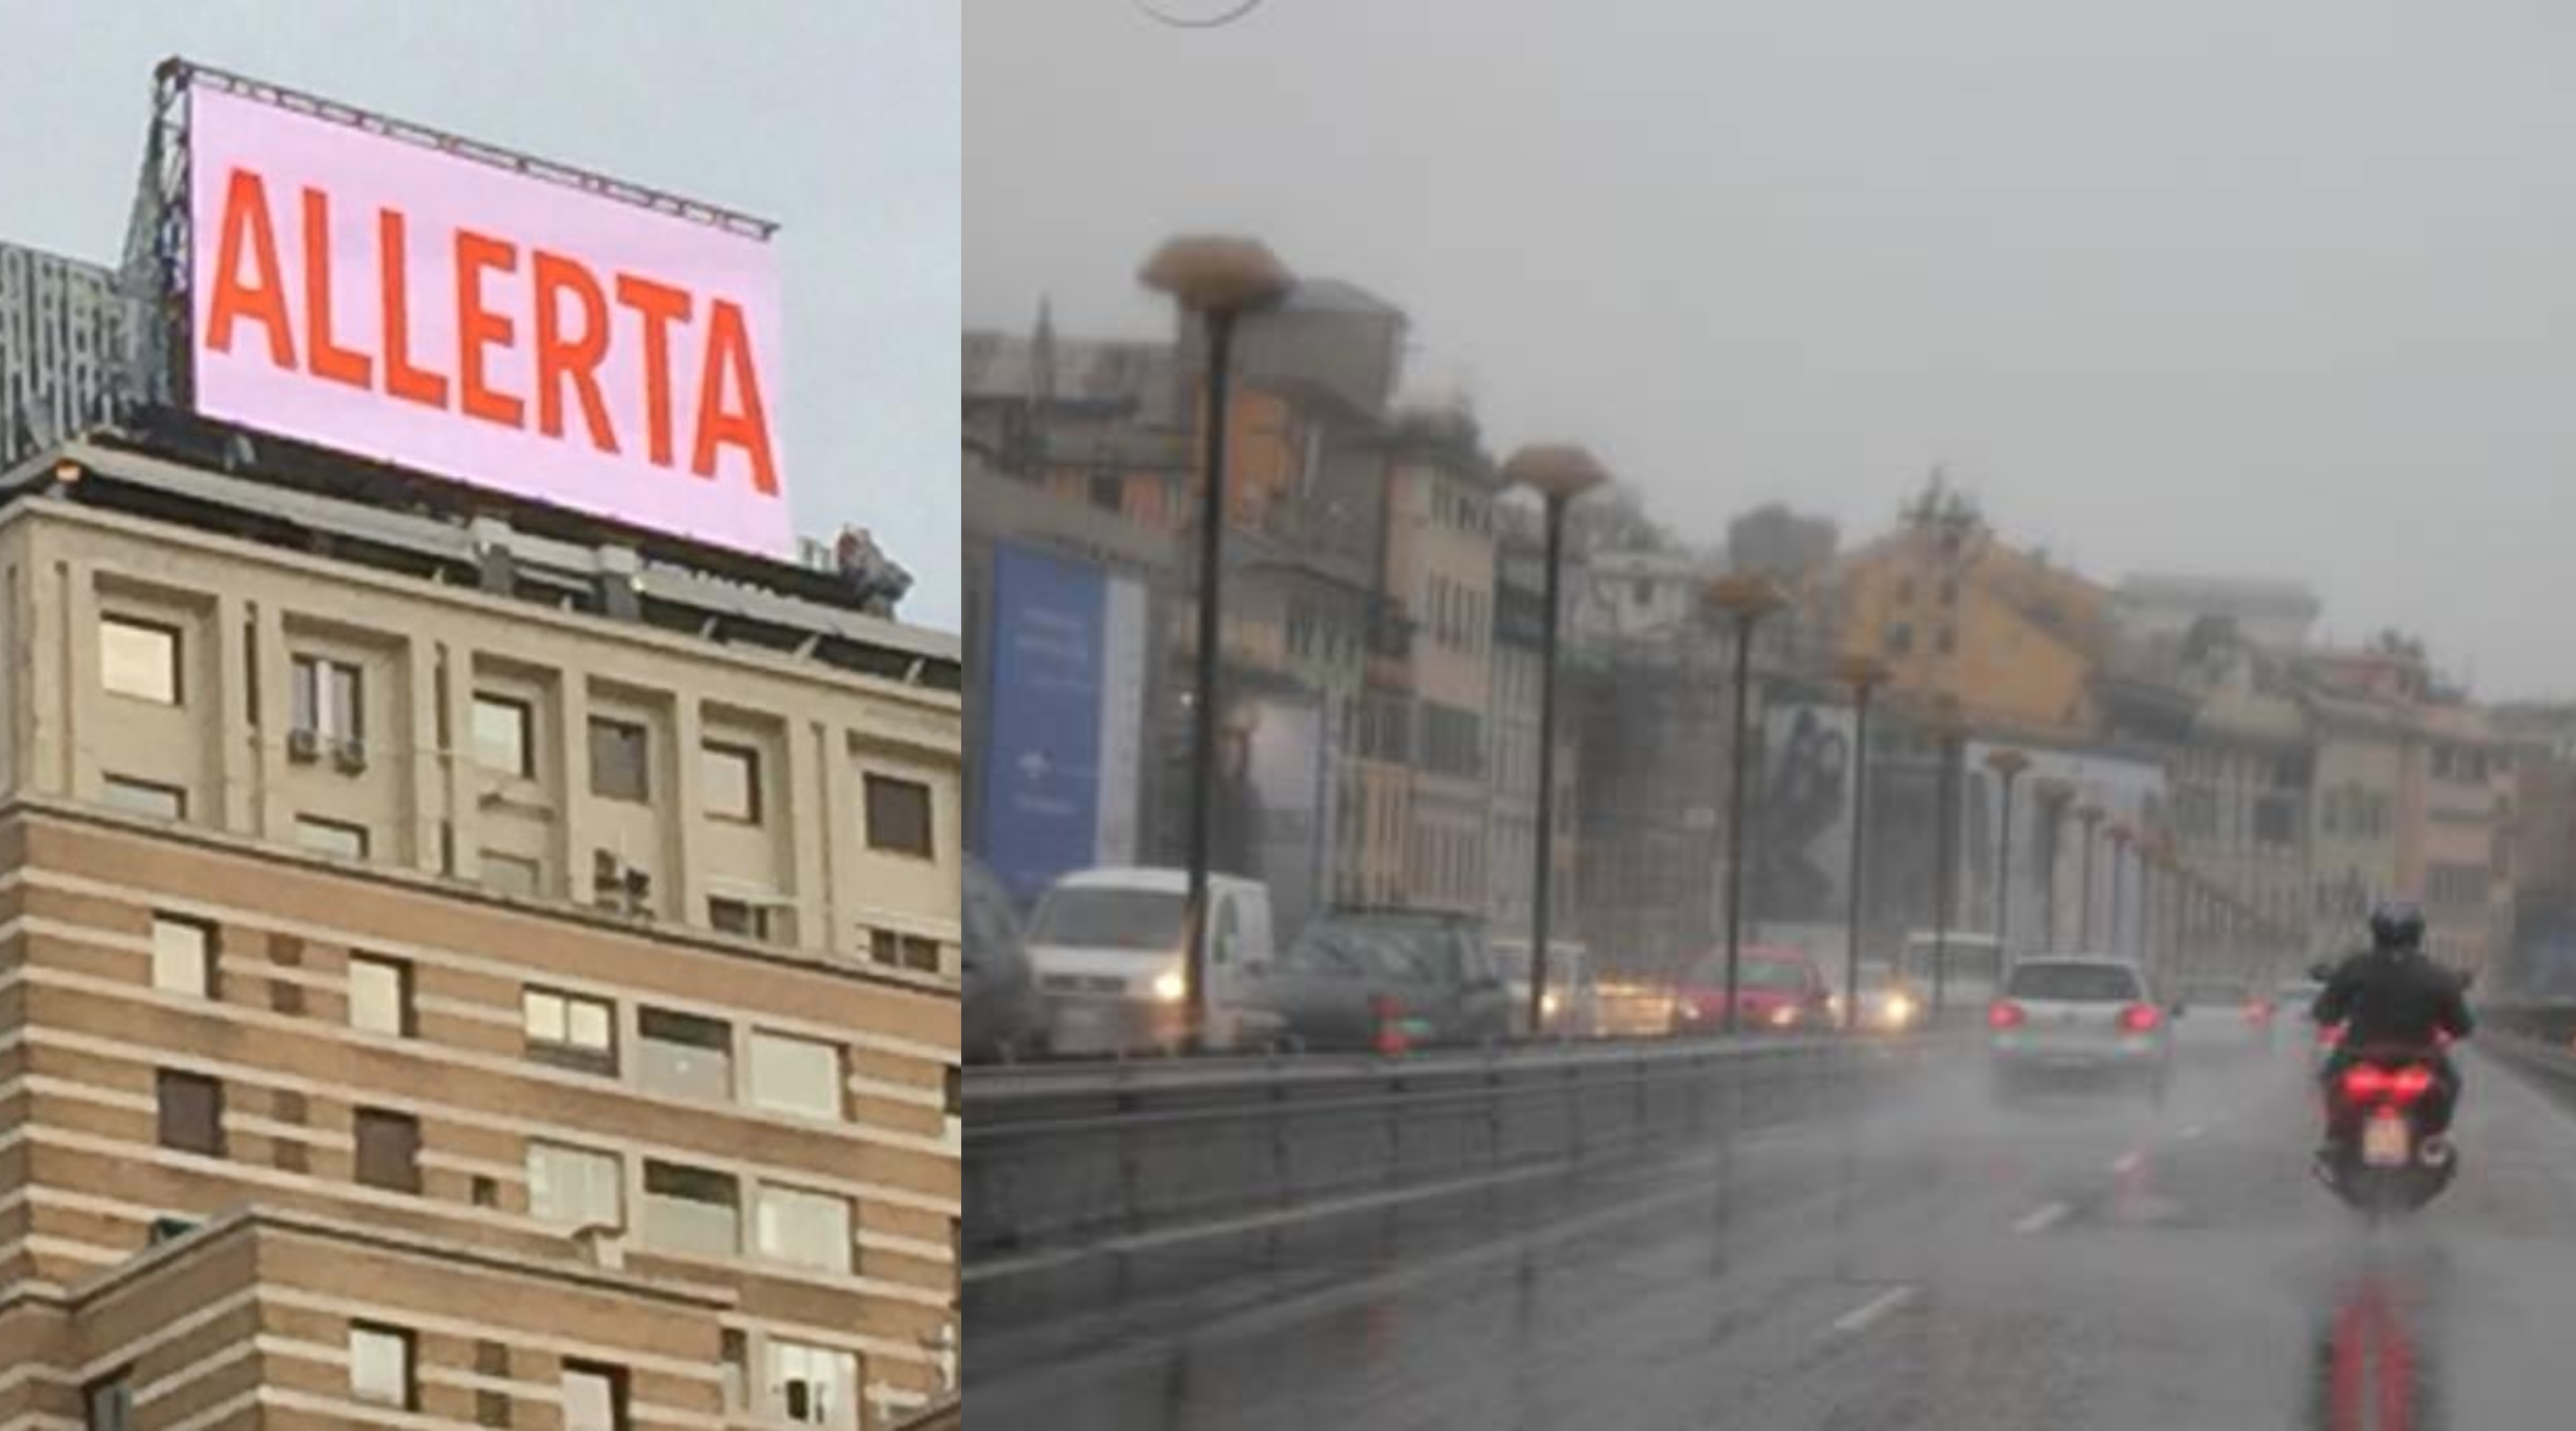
2281	289
840	121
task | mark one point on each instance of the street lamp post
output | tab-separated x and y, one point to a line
2053	795
1949	732
1559	474
1863	674
2090	816
1745	599
1220	280
2008	766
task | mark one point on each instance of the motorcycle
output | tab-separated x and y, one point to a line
2382	1151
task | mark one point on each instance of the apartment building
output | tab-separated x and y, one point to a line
452	975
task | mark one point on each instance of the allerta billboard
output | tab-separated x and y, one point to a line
425	308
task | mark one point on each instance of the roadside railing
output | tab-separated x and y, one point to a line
1067	1155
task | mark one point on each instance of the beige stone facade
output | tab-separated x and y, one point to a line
609	1063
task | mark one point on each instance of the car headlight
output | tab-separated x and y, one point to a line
1170	987
1547	1004
1898	1011
1784	1016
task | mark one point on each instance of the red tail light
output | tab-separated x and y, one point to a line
2258	1012
2004	1014
2369	1083
2140	1018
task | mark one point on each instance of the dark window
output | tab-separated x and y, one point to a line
1107	492
388	1150
192	1112
108	1403
685	1055
1900	638
898	815
620	752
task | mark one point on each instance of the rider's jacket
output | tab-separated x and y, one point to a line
2402	999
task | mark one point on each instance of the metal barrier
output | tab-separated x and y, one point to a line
1069	1155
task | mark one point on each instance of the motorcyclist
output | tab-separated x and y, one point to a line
2392	995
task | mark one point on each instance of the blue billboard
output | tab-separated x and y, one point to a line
1058	773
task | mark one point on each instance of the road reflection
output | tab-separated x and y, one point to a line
2377	1366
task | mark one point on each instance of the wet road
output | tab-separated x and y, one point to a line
1932	1262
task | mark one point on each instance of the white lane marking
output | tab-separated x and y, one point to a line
1868	1314
2127	1162
2042	1219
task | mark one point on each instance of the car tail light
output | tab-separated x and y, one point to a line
2140	1018
2004	1014
2258	1012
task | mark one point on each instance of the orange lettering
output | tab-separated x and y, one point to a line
404	381
573	360
329	359
478	327
263	299
747	427
659	305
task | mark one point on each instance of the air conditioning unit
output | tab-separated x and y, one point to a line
639	892
350	755
303	746
607	878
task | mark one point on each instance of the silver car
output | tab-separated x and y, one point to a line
2072	1018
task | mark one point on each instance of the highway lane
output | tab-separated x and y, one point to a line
1932	1262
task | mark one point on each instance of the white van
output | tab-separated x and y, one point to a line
1971	965
1110	948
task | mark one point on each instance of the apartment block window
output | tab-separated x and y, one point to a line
738	916
388	1150
191	1112
730	779
337	839
898	815
795	1075
814	1386
108	1403
380	995
183	956
736	1357
575	1186
812	1229
505	735
903	951
570	1031
620	754
329	698
692	1210
380	1366
685	1055
139	659
594	1397
144	797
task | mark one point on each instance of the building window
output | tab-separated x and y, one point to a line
575	1186
336	839
1107	492
620	752
144	797
505	735
380	1366
388	1150
812	1229
139	659
329	700
183	956
694	1210
594	1397
814	1386
108	1403
730	779
380	995
736	1357
898	815
795	1075
684	1055
512	874
570	1031
904	951
1900	639
739	917
192	1112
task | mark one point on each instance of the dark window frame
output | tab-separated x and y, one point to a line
877	783
171	1118
640	735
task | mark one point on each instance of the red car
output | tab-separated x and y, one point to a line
1782	989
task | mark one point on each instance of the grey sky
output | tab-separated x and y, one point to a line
838	120
2285	288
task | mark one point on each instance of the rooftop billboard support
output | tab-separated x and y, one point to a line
413	298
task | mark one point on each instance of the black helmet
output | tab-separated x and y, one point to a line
2397	926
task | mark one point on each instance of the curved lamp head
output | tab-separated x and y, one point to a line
1558	471
1215	273
2007	763
1860	672
1747	598
2053	792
